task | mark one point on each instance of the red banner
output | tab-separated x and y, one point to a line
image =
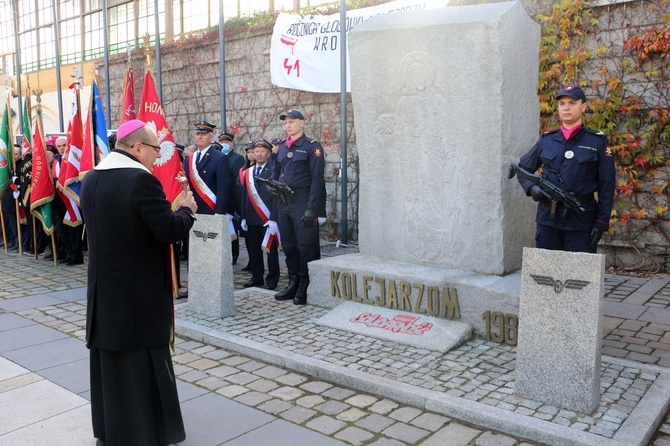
68	180
168	166
128	98
41	184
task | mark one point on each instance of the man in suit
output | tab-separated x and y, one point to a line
259	214
129	315
209	174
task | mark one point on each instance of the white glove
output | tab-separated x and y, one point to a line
15	194
230	217
321	220
272	225
243	225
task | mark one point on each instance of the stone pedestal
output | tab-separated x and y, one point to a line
210	269
444	100
560	328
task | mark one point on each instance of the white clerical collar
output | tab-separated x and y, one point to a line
120	160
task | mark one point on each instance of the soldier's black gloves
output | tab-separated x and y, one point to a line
596	234
309	218
537	193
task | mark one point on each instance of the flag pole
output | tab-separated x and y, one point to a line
10	152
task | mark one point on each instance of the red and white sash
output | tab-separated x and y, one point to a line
204	192
271	236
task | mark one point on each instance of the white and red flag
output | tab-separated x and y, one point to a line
68	185
167	168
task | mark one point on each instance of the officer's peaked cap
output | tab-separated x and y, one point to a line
226	136
263	143
294	114
572	91
204	127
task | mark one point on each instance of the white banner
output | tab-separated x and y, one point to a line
305	51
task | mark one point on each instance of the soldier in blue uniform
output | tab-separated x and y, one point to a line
300	165
580	161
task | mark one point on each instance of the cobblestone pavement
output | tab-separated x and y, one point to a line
479	371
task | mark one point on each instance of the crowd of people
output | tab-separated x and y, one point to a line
27	231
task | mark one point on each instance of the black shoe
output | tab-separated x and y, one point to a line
75	262
271	286
246	268
301	295
183	295
288	293
253	282
49	257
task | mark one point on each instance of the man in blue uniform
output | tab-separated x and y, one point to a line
300	165
209	174
580	161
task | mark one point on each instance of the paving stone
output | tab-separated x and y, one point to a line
374	423
242	378
251	366
387	442
193	376
338	393
185	358
232	391
223	371
298	415
354	435
235	360
287	393
291	379
405	432
353	414
405	414
211	383
263	385
252	398
430	421
316	386
453	434
489	438
310	400
274	406
203	364
384	406
270	372
362	400
332	407
326	425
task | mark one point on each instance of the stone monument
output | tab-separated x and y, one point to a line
560	328
210	269
440	226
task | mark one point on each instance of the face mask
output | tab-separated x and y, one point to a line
225	148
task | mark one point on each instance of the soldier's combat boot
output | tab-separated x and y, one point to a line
301	295
288	293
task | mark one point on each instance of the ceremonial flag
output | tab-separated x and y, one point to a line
6	152
68	185
27	140
41	183
96	145
128	97
168	167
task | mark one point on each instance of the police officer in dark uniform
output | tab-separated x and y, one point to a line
580	161
300	165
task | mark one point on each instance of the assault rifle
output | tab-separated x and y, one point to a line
550	191
276	188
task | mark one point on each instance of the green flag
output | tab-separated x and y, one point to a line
6	153
27	137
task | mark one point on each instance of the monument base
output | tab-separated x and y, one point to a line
488	303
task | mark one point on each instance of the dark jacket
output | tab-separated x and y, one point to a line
248	210
215	171
130	226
